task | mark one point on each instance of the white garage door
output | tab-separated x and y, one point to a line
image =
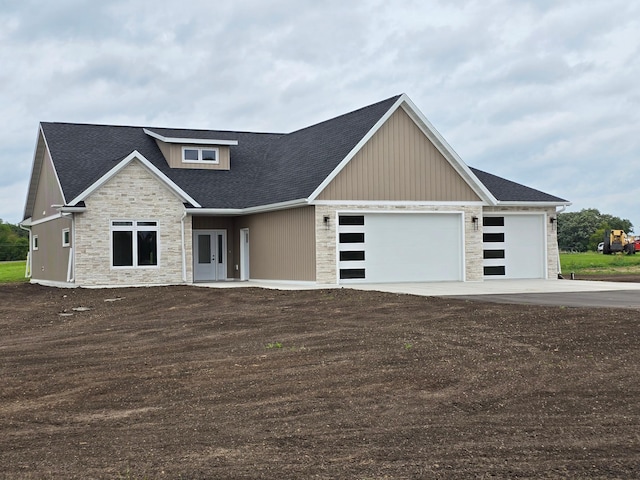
514	246
393	247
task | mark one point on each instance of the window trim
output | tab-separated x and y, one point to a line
66	242
134	226
34	241
200	150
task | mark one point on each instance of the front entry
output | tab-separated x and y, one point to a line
209	255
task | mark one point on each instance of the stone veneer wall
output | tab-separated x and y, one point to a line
133	194
326	265
551	232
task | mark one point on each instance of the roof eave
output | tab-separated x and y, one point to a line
513	203
302	202
198	141
72	209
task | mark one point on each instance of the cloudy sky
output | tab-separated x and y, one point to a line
542	92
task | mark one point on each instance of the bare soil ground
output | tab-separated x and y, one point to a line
196	383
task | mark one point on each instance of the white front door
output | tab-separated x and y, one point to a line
209	255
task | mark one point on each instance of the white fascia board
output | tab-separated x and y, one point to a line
533	204
53	165
395	203
33	169
446	150
67	209
25	223
198	141
42	220
247	211
135	155
356	149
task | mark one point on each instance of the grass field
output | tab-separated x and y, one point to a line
12	272
592	263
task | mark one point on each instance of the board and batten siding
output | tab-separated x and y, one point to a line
48	191
51	261
282	244
399	163
173	155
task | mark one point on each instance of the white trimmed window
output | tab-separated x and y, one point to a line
200	155
134	243
66	237
35	242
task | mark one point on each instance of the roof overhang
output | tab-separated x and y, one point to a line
532	204
247	211
197	141
69	209
39	156
133	156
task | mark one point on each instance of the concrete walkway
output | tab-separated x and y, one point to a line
436	289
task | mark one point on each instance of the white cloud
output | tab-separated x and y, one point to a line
541	92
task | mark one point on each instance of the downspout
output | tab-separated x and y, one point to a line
71	268
564	207
184	251
27	270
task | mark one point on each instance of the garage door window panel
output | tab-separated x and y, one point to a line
352	237
493	237
493	221
352	273
351	220
495	270
351	255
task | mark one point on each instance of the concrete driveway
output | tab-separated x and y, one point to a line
579	293
570	293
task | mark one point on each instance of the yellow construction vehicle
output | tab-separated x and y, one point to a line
617	241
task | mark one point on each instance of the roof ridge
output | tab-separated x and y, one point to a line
337	117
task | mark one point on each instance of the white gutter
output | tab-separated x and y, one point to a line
71	209
511	203
246	211
71	268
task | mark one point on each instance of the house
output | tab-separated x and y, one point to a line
375	195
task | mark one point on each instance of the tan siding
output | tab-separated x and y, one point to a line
48	192
281	244
399	163
173	155
51	261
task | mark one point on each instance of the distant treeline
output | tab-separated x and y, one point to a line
14	242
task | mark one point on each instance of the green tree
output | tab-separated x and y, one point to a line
583	230
14	242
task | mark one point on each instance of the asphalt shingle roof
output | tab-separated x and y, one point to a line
266	168
508	191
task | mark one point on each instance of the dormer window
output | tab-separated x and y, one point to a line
200	155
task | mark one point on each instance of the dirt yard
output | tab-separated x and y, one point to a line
195	383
